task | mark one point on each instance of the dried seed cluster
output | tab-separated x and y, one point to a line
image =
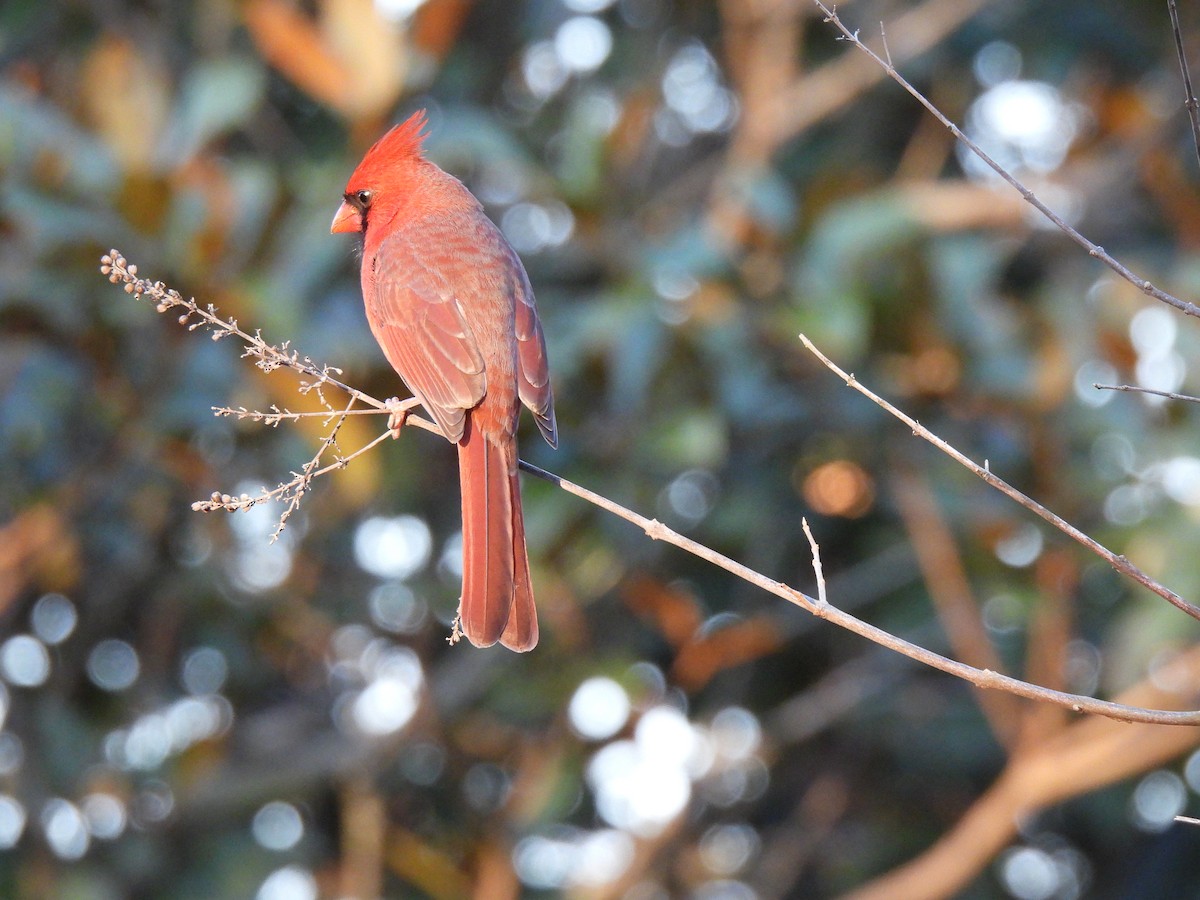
267	357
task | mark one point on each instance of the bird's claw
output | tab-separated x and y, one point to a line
397	413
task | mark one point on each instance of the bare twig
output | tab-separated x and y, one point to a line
1189	95
1084	756
839	82
275	415
266	356
1093	250
780	102
115	265
1117	561
816	561
982	678
289	491
1135	389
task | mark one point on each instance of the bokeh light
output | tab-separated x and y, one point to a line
277	826
689	496
543	70
395	607
1158	798
588	6
12	821
599	708
289	883
1030	874
1021	546
696	101
105	815
392	679
534	227
153	803
113	665
1159	367
53	618
1026	126
1088	375
385	705
392	547
573	858
263	559
65	829
155	736
398	10
840	487
486	787
1054	870
996	62
728	848
204	670
641	785
24	661
582	44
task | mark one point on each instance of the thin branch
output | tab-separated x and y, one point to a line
115	265
1083	757
285	491
779	103
982	678
275	415
1134	389
1189	95
266	356
816	561
1094	250
836	84
1117	561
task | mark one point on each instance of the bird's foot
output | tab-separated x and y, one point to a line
397	413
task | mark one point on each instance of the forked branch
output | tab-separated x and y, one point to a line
1093	249
1116	560
270	357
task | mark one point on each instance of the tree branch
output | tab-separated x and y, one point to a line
1189	95
1093	250
1117	561
269	357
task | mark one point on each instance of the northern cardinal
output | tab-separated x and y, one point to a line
451	306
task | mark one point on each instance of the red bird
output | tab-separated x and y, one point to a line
450	304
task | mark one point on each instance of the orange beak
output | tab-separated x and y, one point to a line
347	218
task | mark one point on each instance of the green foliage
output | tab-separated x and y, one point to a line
675	263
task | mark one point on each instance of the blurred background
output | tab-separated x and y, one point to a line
190	710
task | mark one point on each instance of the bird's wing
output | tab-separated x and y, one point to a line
533	385
418	321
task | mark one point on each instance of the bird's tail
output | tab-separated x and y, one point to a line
497	599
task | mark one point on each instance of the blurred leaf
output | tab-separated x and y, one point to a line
119	78
688	438
850	242
215	97
350	60
47	148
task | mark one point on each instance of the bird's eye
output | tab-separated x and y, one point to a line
363	198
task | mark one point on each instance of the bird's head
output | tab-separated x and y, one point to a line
377	185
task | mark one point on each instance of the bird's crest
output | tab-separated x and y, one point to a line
402	143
